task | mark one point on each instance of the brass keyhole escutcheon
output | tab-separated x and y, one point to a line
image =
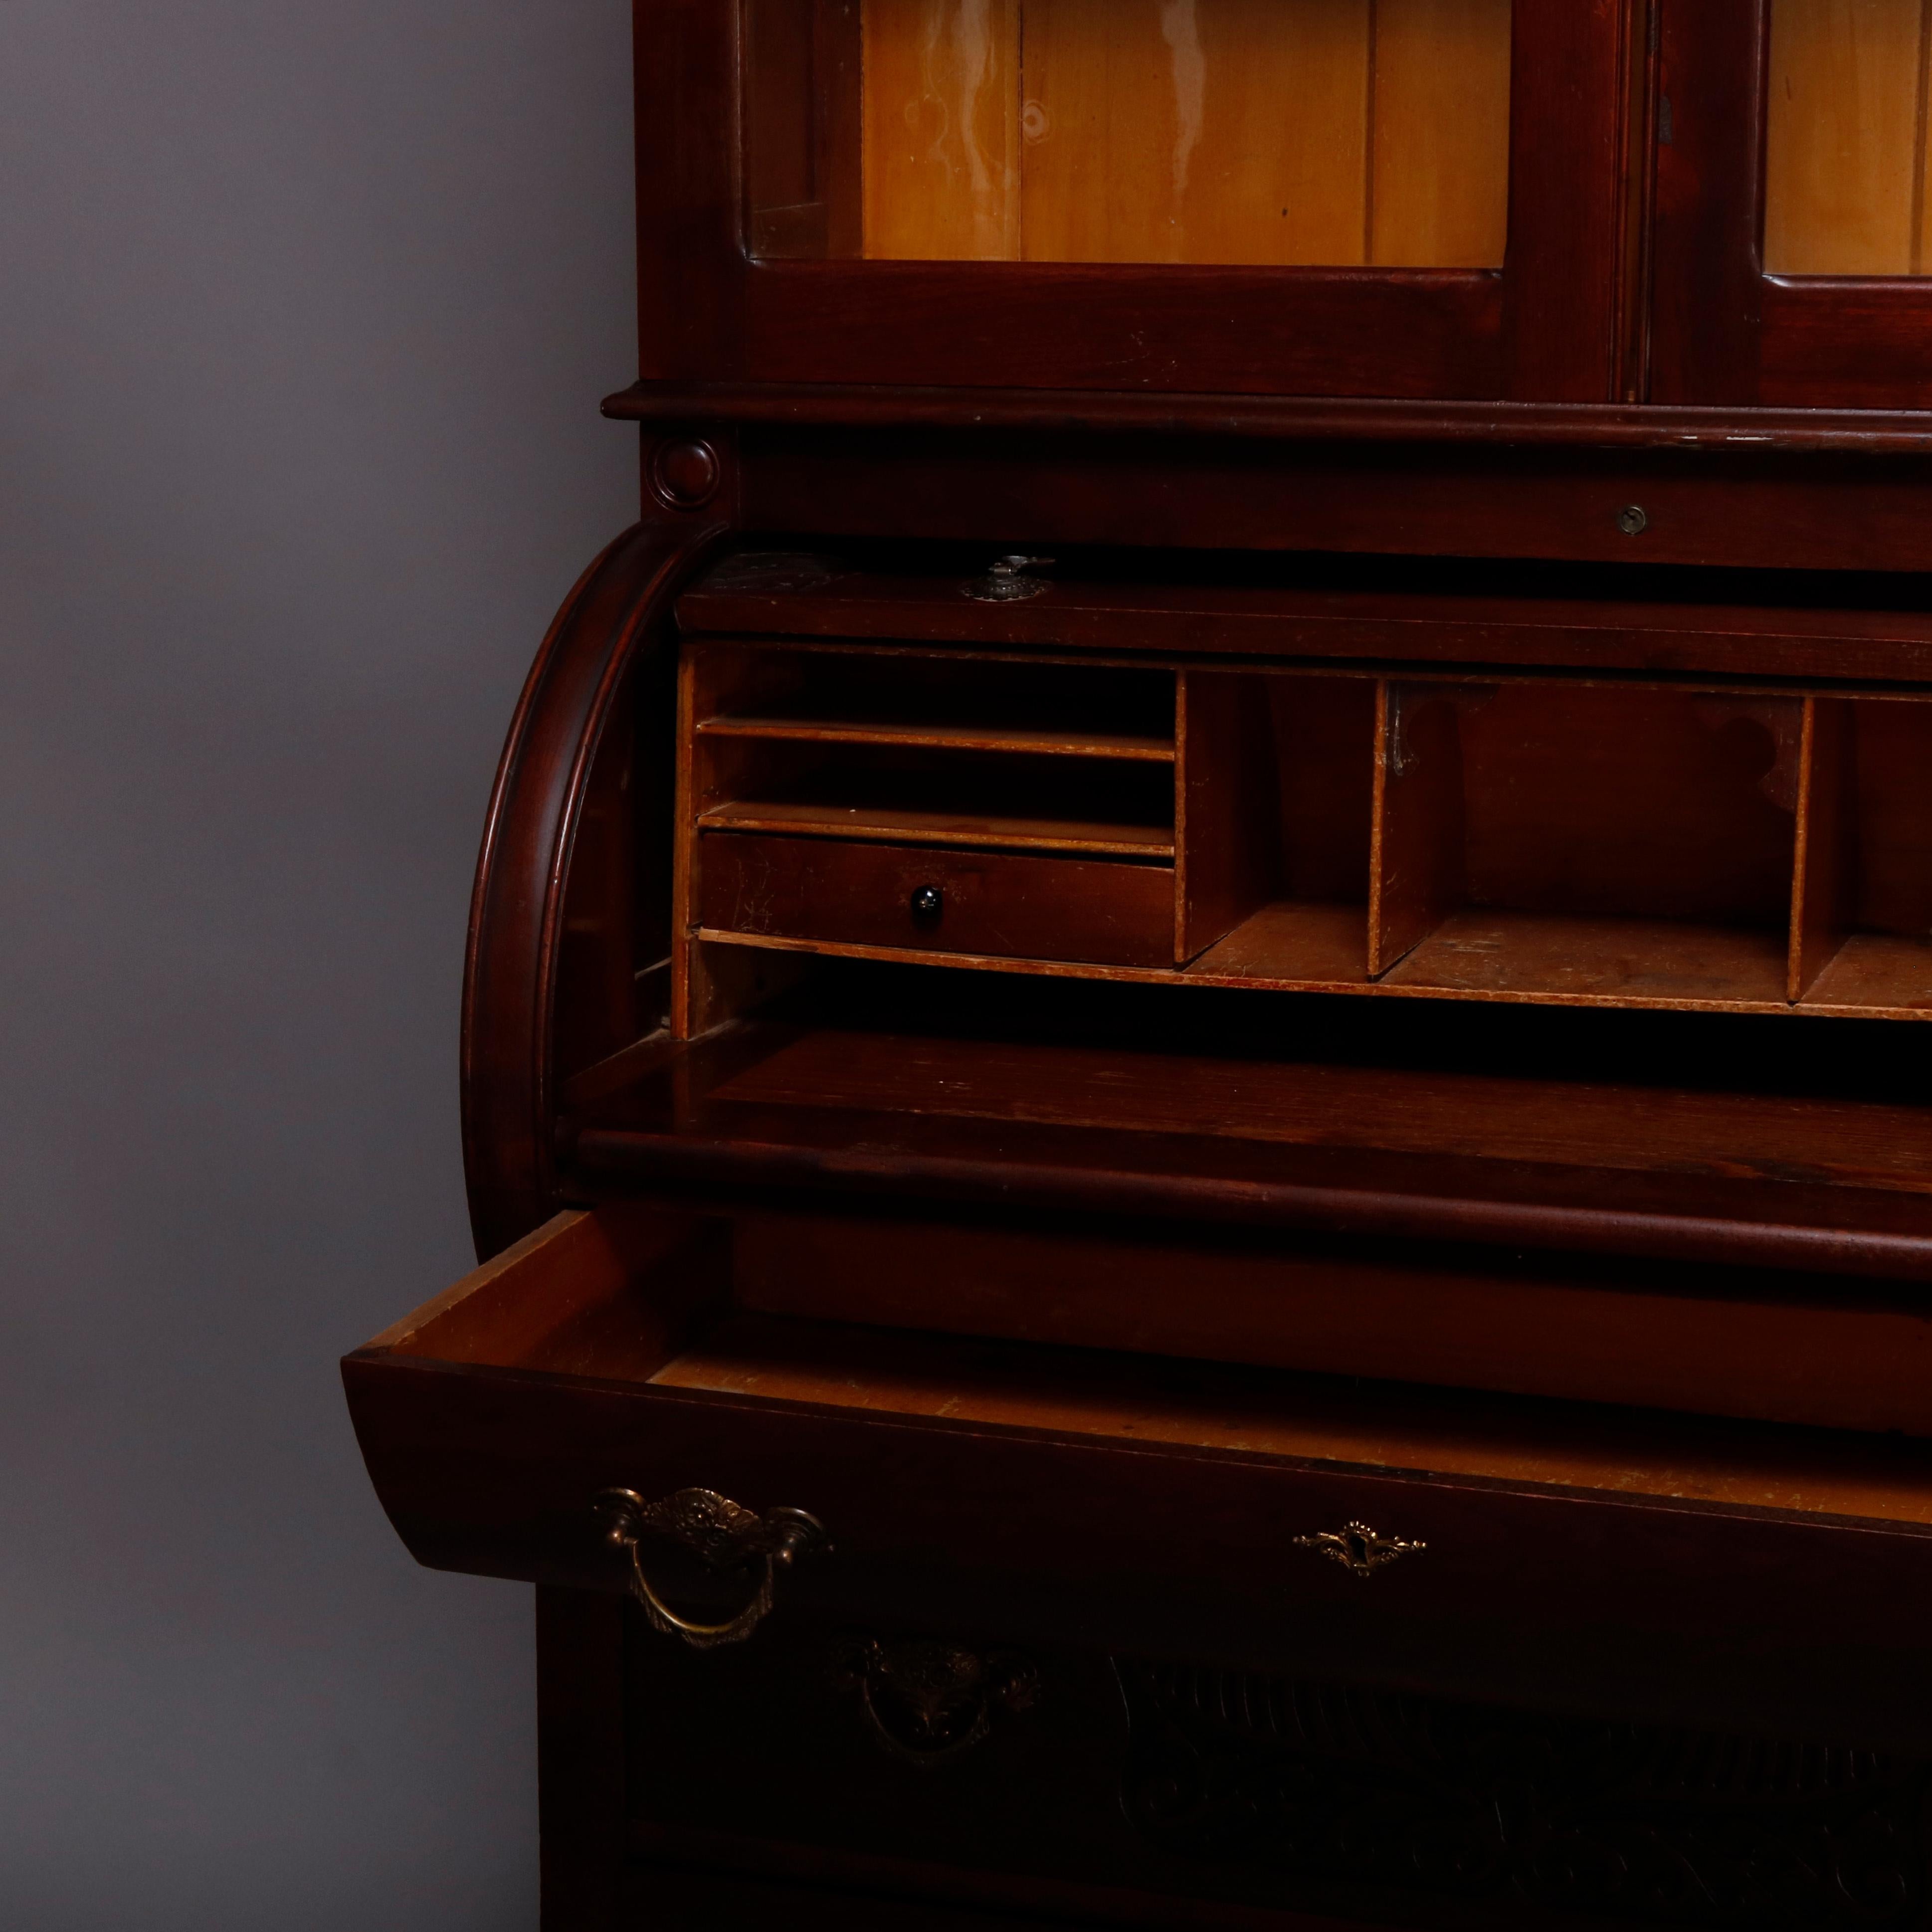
1360	1550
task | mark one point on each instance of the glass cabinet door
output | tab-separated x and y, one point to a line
1794	237
1845	138
1403	198
1325	133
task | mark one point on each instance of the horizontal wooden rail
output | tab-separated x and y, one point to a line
1278	419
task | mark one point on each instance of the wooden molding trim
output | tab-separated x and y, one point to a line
1277	418
621	604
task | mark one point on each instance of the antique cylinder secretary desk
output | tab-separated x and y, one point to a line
1192	1068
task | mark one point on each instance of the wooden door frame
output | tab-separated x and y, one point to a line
1544	327
1724	332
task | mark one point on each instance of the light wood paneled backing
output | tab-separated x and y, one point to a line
941	148
1333	133
1845	180
1439	171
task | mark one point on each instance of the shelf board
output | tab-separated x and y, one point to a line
1615	961
898	825
1290	943
1877	973
1117	745
1530	959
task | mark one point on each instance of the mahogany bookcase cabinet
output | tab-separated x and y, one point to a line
1192	1064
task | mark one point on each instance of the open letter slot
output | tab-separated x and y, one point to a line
830	745
1304	803
1862	921
1227	839
1588	842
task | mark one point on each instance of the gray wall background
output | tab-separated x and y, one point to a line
305	313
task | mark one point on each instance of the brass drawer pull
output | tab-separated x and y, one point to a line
927	1703
1360	1550
725	1535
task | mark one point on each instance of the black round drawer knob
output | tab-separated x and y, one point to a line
927	902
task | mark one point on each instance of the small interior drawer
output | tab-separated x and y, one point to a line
924	898
1145	1502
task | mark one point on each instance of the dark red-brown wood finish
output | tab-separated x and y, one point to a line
1562	1595
1543	328
1062	1500
580	1757
1726	331
1064	1494
617	612
1302	1434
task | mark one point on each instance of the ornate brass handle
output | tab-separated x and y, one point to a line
1360	1550
927	1703
725	1535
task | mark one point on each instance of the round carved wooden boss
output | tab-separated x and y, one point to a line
686	474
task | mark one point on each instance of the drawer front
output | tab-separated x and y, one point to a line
1004	905
492	1419
1159	1792
1742	1617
